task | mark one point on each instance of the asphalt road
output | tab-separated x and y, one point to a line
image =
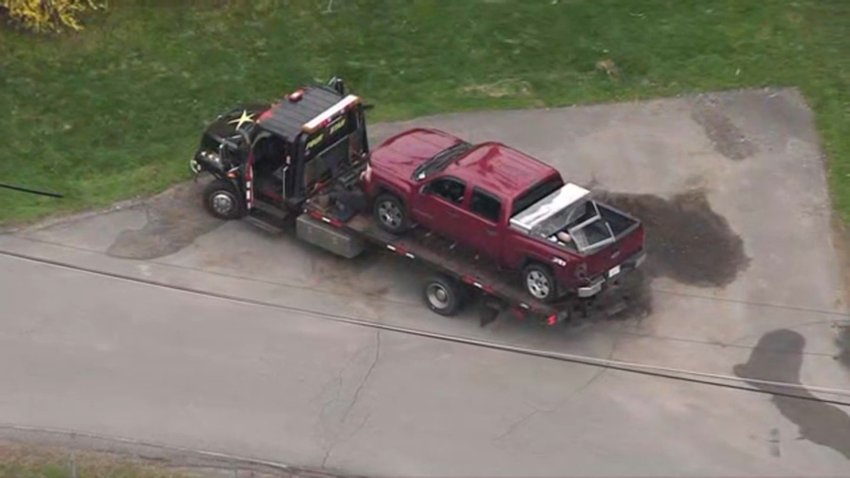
744	279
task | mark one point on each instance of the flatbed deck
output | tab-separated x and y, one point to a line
443	256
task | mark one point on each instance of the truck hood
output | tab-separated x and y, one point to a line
224	126
401	154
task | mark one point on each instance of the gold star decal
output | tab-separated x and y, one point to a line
245	118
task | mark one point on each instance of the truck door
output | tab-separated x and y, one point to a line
480	223
439	206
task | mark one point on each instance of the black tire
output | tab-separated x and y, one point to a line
390	213
222	200
539	281
443	295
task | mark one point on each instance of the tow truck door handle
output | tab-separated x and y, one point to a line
452	215
491	232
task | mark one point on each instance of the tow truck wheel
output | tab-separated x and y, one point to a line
390	214
222	200
443	295
539	282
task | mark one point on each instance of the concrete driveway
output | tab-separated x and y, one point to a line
744	279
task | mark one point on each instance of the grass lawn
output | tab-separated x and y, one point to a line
18	461
116	110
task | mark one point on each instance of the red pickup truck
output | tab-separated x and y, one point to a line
509	207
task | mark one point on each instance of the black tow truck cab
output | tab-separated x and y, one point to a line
268	158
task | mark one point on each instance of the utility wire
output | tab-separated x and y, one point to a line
637	368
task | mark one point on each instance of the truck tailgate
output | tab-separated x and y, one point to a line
629	239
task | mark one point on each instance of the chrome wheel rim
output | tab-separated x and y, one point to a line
537	284
438	296
223	203
390	214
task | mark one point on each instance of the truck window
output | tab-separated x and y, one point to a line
448	188
485	205
536	193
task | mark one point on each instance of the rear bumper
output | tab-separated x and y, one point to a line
598	284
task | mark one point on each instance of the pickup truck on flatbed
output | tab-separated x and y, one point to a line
507	227
512	209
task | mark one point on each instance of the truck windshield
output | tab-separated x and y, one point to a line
440	160
579	227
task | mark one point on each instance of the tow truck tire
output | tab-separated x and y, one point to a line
390	213
539	281
222	200
444	296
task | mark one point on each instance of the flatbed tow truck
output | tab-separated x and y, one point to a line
458	273
302	159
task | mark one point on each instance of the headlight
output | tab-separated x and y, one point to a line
195	166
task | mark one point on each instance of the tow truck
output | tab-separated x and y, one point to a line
303	159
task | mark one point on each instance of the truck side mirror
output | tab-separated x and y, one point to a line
337	84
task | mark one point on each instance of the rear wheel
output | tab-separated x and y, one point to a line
390	213
539	282
222	200
444	295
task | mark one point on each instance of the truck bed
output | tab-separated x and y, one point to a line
443	256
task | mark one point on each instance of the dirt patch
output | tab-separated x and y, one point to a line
778	357
175	219
728	139
500	89
346	275
629	299
685	239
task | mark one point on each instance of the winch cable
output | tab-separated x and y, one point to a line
683	375
31	191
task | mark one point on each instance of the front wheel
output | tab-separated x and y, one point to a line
390	213
539	282
222	200
444	295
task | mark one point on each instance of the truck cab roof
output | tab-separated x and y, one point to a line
303	111
500	170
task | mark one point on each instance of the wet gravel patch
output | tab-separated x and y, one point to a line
685	239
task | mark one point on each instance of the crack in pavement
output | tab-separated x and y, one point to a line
516	424
354	399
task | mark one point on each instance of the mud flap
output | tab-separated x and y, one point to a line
489	312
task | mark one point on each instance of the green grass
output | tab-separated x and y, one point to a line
17	461
116	111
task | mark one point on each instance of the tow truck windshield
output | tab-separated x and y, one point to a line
440	160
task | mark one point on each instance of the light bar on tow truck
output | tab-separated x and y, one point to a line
322	120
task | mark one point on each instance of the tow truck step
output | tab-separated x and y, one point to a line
267	218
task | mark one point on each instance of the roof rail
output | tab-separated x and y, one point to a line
324	118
